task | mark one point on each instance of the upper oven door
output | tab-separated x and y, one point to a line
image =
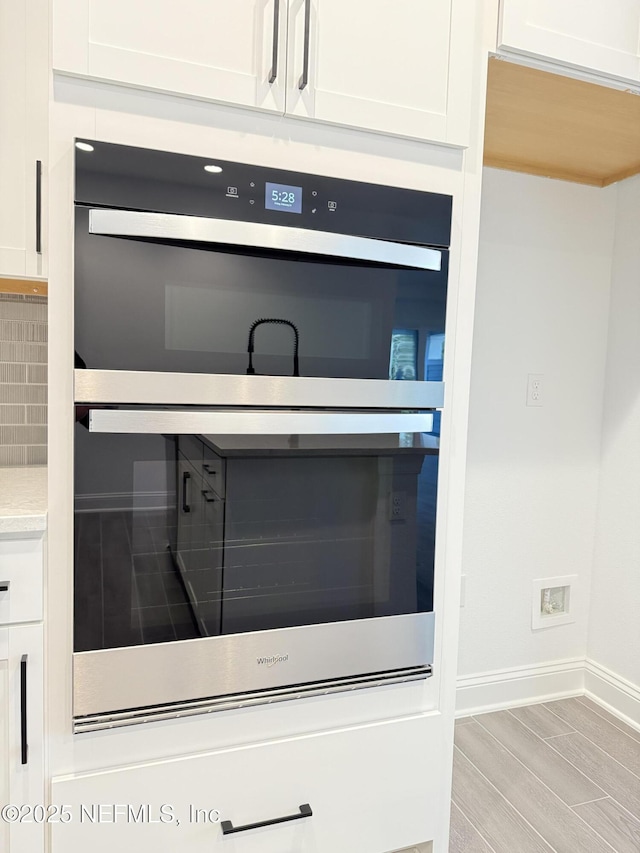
169	293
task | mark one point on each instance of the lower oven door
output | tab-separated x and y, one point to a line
224	558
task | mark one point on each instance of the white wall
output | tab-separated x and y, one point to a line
614	630
532	478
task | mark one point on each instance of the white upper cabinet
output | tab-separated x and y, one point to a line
213	49
398	68
602	36
23	135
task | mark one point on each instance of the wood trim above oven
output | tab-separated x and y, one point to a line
24	286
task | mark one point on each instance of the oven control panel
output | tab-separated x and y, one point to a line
313	203
131	178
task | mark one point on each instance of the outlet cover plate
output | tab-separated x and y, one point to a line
535	389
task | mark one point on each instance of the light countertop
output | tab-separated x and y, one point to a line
23	499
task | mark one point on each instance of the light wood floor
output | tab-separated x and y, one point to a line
563	776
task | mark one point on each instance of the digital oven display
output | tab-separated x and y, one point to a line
283	197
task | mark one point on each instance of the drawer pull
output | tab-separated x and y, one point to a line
38	207
208	469
274	58
206	495
228	827
304	79
4	586
185	503
24	745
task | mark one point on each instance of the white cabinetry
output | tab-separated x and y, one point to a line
209	49
365	786
23	134
598	36
21	693
399	68
21	736
402	68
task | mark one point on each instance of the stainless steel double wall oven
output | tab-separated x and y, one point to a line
258	388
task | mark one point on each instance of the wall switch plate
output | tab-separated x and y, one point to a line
535	389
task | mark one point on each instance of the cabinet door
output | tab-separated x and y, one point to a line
21	772
207	581
397	68
23	133
185	514
597	36
214	471
199	560
370	789
208	49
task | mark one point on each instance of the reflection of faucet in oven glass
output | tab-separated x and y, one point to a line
252	331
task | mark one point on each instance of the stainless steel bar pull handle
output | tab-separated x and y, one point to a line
254	422
258	235
145	387
24	746
304	79
274	56
228	827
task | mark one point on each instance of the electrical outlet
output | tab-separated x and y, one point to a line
535	389
398	507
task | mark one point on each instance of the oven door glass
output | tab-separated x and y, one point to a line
184	536
196	307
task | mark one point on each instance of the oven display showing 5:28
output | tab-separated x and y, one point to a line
283	197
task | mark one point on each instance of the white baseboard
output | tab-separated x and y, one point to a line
616	694
508	688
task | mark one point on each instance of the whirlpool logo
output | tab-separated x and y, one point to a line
273	660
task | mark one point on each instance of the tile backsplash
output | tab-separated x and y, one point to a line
23	380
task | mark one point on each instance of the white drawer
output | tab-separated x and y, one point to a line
370	790
21	571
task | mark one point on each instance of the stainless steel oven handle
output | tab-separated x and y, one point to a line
228	232
188	422
154	388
